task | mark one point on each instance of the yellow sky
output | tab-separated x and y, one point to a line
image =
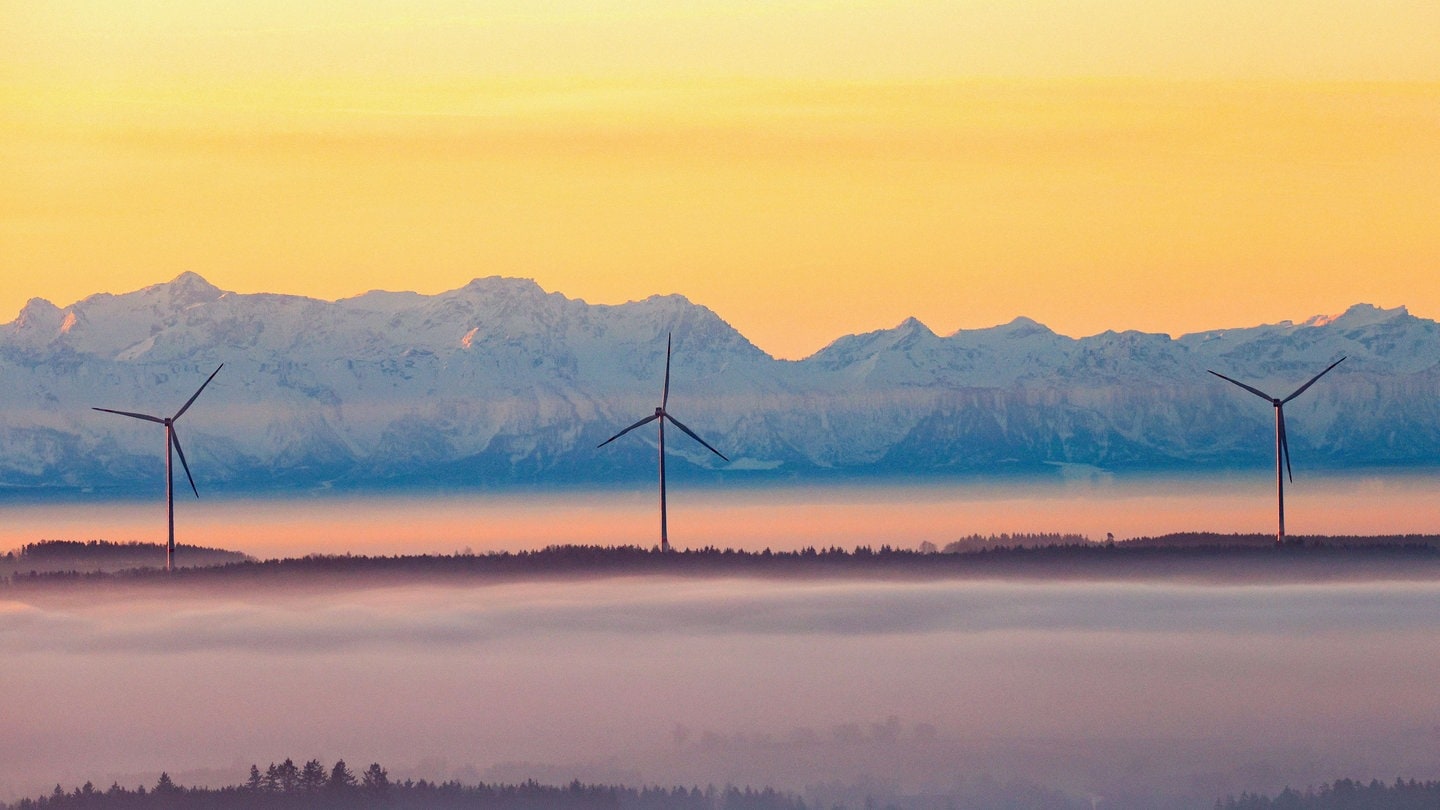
806	169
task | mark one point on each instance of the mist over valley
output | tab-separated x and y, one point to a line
1182	692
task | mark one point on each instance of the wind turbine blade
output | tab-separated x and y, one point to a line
147	417
1285	445
665	393
651	418
191	401
175	440
692	435
1256	391
1302	388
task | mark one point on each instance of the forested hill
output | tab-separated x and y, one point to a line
105	556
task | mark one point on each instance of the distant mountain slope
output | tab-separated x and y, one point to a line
499	382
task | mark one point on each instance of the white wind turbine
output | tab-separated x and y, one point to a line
1282	444
171	441
660	416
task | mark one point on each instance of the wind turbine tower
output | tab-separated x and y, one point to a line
171	441
1282	444
660	415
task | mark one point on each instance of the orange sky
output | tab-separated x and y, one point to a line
806	169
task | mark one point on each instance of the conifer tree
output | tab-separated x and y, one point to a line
312	776
289	776
375	779
341	777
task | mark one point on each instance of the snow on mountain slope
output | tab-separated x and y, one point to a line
499	381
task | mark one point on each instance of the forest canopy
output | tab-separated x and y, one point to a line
311	785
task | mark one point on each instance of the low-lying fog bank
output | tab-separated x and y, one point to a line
1172	691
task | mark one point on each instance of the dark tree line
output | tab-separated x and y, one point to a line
989	542
288	786
1203	554
1344	794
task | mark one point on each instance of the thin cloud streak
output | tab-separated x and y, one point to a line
455	619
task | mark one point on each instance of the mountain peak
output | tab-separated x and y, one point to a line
672	299
190	288
38	314
1022	327
913	325
1359	315
191	280
497	284
37	308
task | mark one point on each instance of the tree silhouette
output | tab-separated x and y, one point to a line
289	776
375	780
312	777
341	778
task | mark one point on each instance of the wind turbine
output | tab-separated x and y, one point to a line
1282	444
660	416
171	440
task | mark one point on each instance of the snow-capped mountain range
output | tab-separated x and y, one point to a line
499	382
